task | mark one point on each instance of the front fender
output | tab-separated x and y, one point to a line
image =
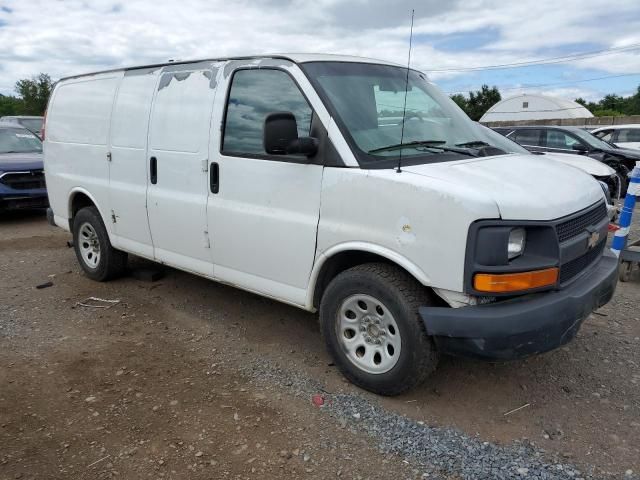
362	247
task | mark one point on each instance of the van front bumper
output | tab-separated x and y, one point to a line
523	326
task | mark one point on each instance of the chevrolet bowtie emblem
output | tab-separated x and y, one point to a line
594	238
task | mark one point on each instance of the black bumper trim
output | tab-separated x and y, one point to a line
526	325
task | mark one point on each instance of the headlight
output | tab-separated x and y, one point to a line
517	238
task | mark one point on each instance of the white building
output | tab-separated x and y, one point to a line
534	107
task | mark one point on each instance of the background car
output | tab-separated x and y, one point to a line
22	183
31	123
623	136
601	172
556	139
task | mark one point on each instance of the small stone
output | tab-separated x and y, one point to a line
356	416
522	471
173	403
306	457
628	473
285	454
119	372
90	399
155	408
199	454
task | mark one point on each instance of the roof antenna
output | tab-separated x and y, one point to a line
406	89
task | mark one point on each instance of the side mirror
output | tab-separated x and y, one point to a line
281	136
580	148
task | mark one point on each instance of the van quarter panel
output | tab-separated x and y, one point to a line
77	142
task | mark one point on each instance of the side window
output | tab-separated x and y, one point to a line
527	137
253	95
629	135
558	139
604	135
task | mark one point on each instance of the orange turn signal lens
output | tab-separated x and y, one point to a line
514	282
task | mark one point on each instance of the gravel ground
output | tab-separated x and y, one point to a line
185	378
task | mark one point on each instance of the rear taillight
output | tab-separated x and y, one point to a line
44	122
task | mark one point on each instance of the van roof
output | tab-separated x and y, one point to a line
293	57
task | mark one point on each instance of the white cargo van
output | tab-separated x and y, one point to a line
304	178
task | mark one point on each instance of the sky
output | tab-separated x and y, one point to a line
66	37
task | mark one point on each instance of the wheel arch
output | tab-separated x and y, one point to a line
344	256
80	198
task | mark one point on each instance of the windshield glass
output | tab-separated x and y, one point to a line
18	140
367	101
33	124
591	140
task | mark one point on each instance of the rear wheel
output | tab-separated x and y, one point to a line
99	260
371	326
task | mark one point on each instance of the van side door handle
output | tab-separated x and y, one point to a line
153	170
214	177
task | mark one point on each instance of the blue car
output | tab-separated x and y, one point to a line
22	183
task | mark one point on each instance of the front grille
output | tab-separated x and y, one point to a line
575	226
577	265
24	180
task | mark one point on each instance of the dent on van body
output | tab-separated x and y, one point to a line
422	221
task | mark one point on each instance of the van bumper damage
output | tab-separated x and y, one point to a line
526	325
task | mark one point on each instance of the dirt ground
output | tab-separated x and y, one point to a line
160	384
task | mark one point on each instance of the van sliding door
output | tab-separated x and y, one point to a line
177	155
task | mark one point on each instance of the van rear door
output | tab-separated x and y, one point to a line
128	168
177	159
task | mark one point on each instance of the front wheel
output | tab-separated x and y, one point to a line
371	326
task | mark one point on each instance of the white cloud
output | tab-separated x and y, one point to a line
76	36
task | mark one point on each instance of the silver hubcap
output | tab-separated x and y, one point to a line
368	334
89	245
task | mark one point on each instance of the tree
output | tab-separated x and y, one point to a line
478	102
9	105
614	105
34	94
460	100
482	100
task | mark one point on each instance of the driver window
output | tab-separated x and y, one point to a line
254	94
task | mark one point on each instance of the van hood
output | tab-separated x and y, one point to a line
524	187
584	163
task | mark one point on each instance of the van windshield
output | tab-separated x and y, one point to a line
367	102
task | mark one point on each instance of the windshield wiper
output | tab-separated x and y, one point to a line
438	144
473	143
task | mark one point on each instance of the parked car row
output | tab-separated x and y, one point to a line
22	182
574	140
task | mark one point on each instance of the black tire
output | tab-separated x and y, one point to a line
402	296
111	263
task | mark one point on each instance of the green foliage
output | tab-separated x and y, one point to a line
34	94
478	102
614	105
607	112
10	105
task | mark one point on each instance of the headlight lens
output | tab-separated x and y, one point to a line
517	239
